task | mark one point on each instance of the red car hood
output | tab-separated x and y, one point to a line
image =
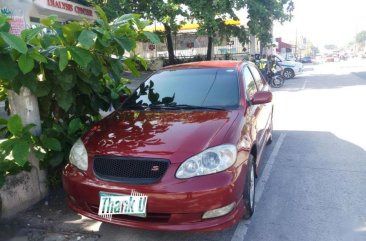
170	135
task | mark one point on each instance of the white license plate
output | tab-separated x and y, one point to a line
113	203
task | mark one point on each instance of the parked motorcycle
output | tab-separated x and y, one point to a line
275	79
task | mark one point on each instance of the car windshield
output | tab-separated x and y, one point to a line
280	58
188	89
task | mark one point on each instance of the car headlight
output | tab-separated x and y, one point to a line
78	155
212	160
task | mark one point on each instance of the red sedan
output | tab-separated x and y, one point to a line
181	153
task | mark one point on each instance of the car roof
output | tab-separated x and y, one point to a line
206	64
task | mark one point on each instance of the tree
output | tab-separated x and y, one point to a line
261	15
74	70
361	39
211	16
167	12
117	8
163	11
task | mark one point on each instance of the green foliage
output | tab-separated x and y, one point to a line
75	70
168	12
261	15
15	149
26	63
14	42
361	38
152	37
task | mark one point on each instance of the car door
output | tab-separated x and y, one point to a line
255	111
265	117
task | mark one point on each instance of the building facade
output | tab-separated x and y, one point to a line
188	43
28	13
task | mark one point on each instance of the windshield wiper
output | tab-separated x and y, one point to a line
169	107
197	107
184	106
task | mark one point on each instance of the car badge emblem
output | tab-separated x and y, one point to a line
155	168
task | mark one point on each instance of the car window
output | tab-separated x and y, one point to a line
250	86
216	87
257	78
279	58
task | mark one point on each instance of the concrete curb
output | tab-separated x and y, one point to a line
21	191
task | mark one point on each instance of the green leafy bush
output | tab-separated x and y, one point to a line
16	148
74	70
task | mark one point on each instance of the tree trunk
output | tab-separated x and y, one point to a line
169	43
262	49
26	106
209	48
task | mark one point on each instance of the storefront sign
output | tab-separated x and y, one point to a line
67	7
70	7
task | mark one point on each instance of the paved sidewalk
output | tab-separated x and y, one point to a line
49	220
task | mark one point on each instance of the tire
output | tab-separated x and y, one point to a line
249	189
277	81
270	137
288	74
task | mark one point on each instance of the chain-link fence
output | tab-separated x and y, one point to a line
193	47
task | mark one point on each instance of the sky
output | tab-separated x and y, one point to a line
324	22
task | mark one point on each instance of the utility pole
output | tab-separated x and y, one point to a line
296	44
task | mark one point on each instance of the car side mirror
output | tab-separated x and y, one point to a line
262	97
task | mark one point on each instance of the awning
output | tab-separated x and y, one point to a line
189	27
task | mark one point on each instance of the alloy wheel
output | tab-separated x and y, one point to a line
288	74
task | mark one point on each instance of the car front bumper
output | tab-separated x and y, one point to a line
299	71
175	206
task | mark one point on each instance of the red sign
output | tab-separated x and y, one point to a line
61	5
70	7
151	46
83	11
17	24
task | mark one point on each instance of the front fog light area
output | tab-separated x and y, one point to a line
219	211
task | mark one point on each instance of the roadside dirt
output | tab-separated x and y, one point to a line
49	220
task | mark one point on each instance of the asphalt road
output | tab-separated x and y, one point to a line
312	185
316	189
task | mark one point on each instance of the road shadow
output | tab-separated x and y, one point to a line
316	187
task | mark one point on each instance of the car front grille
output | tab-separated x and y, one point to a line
130	170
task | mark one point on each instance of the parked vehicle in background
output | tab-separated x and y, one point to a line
306	59
181	153
290	68
276	79
329	58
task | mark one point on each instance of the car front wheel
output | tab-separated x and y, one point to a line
270	135
288	74
249	191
